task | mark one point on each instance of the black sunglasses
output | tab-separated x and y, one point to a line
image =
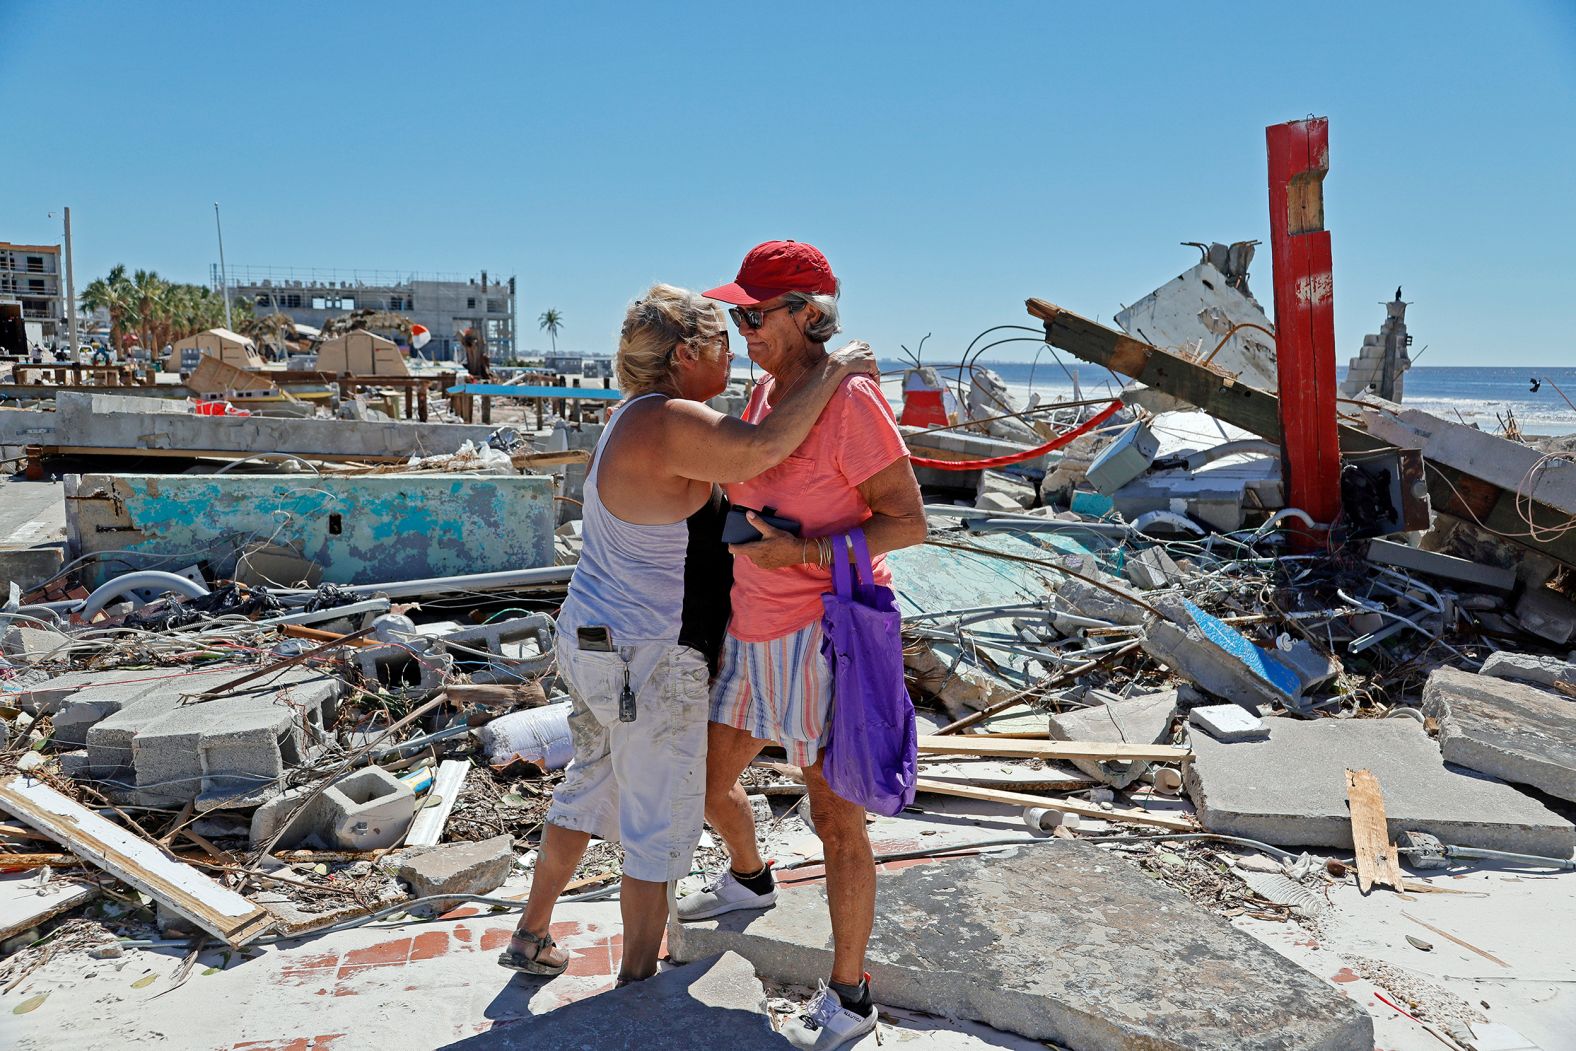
746	317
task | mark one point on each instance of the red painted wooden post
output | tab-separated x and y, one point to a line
1299	158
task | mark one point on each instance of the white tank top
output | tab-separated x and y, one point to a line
630	577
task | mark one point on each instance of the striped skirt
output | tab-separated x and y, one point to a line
779	691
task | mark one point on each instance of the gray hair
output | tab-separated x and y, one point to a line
829	324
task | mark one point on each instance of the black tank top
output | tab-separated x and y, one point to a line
708	579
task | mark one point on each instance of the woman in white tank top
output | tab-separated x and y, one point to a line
647	603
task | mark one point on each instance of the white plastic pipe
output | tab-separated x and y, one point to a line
128	583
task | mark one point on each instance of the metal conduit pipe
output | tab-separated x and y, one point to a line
374	605
512	578
146	578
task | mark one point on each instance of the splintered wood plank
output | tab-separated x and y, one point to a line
1377	859
1066	806
965	744
215	908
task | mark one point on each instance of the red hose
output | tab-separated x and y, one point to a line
1027	454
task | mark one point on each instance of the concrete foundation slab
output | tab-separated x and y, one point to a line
1060	942
1135	720
717	1003
1291	789
1507	729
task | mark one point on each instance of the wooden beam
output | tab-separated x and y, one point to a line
964	744
1219	394
211	906
1066	806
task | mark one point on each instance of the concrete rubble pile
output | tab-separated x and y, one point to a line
311	683
292	700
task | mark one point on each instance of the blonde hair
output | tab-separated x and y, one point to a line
666	315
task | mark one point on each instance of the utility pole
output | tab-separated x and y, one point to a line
224	283
71	291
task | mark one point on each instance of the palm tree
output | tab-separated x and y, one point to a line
551	321
110	294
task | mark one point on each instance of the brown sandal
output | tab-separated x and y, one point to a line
532	964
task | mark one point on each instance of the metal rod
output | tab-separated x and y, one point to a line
224	283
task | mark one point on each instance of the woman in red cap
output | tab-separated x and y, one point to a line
641	621
774	686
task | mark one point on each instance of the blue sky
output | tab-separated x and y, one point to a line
951	159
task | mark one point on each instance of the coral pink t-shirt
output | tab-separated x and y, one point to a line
855	438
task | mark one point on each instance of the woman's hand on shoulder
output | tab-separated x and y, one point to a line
775	550
855	358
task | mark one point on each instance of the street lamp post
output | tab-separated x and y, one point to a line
71	291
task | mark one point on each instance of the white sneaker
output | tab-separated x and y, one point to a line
723	894
827	1024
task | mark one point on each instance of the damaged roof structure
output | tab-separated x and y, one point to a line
1217	749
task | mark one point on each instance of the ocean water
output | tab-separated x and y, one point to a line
1481	396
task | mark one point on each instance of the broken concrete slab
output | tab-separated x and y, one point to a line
974	938
1014	493
1547	614
28	567
1291	789
360	529
1508	729
105	716
1152	568
32	644
1221	660
1119	605
997	502
717	1002
1529	667
1136	720
959	685
1228	722
457	868
1433	563
26	901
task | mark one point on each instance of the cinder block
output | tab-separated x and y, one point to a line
368	810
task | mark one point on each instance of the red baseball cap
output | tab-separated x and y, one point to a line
776	267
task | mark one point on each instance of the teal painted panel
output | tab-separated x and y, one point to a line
362	530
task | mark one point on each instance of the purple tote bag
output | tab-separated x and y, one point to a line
872	757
